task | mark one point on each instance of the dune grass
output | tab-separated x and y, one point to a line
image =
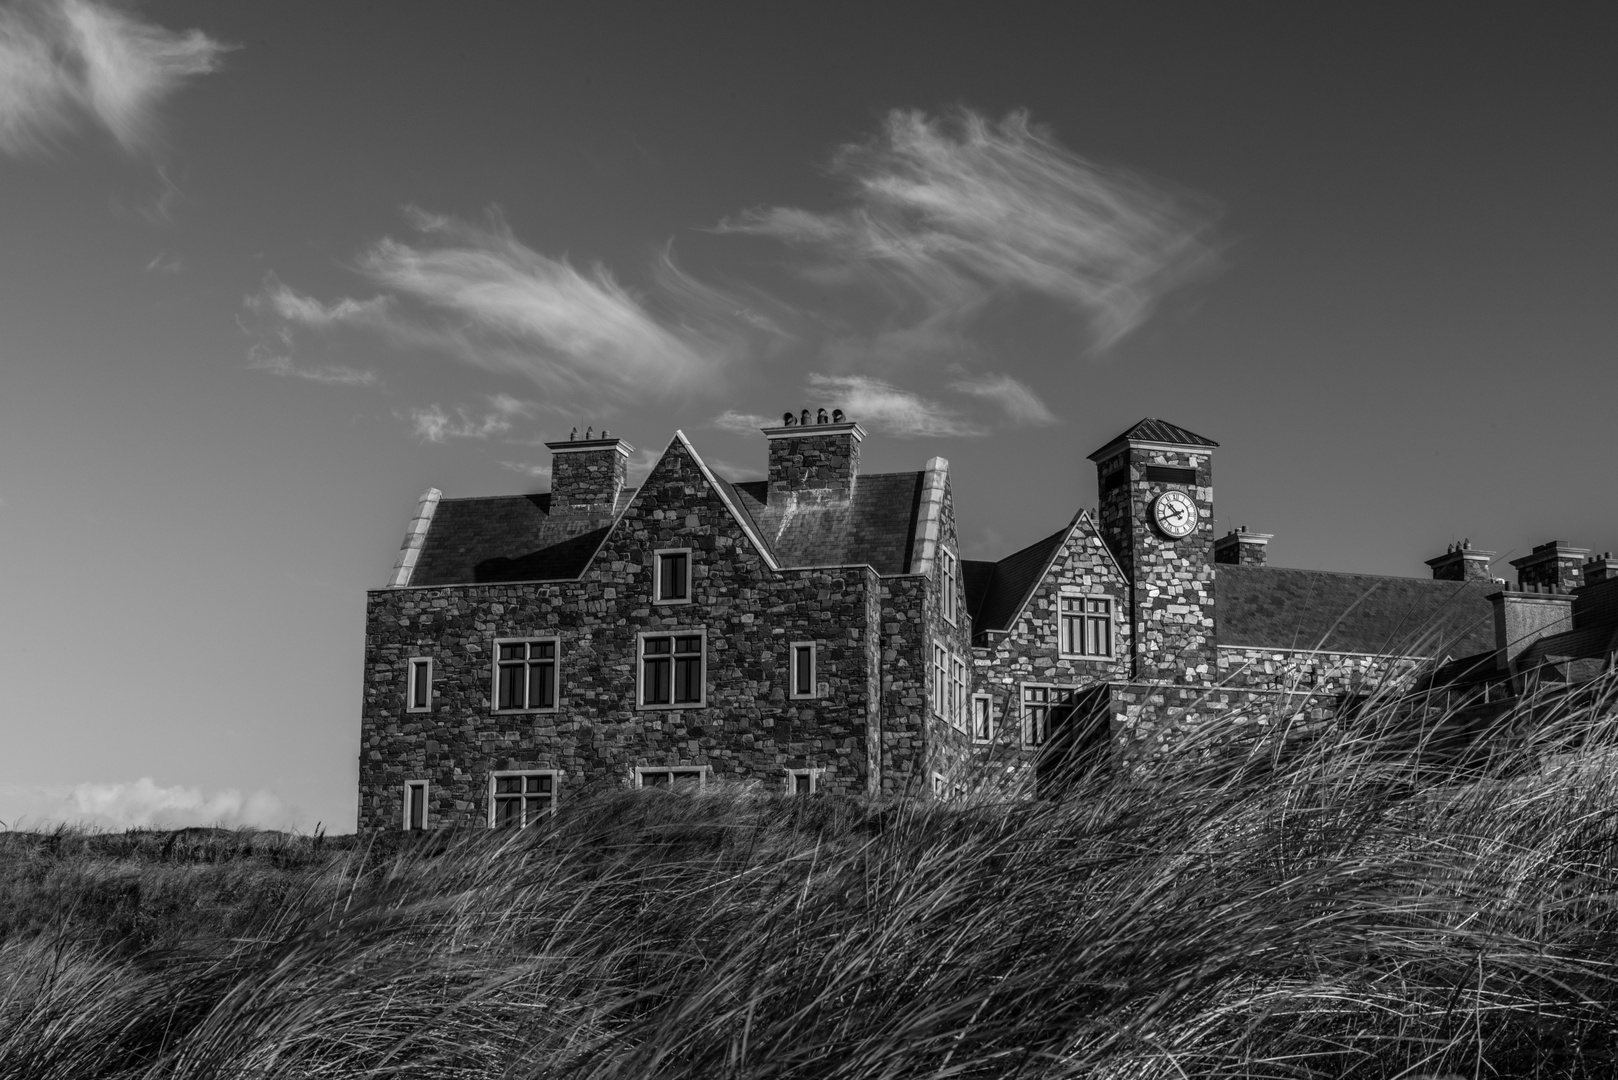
1346	905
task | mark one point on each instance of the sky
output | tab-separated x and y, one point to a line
267	271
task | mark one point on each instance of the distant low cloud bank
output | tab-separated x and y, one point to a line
70	64
142	803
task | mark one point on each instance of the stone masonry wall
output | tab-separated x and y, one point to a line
748	727
1030	650
1310	671
904	684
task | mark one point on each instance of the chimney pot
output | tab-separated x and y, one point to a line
837	416
804	419
787	419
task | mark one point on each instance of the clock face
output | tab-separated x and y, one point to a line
1175	514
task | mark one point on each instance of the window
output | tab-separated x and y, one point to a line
1041	707
419	694
940	786
957	693
940	680
982	718
802	781
525	675
1086	626
947	584
803	669
671	669
671	576
415	805
517	799
673	778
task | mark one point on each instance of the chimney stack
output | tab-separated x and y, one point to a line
820	457
1523	616
1242	548
1462	562
1556	563
1602	569
587	474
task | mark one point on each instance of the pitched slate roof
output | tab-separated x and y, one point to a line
1002	587
1153	430
877	526
1279	608
506	538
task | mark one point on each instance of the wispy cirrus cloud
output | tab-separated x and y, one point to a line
948	214
899	412
475	292
326	374
741	423
68	64
1020	404
436	424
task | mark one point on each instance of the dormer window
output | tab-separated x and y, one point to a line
671	576
948	584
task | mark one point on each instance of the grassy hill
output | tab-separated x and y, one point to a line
1349	908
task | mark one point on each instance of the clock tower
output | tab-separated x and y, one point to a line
1155	483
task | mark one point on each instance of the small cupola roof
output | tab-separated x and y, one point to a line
1152	430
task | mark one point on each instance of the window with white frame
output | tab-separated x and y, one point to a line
671	576
803	670
415	805
802	781
1042	708
940	786
940	694
419	692
673	777
948	584
957	693
525	674
982	718
519	798
1086	626
671	669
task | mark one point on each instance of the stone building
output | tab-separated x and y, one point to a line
818	630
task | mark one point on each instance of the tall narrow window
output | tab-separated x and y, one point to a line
940	693
415	805
803	669
1036	715
517	799
957	692
672	570
525	675
1086	626
671	669
420	691
982	718
948	584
